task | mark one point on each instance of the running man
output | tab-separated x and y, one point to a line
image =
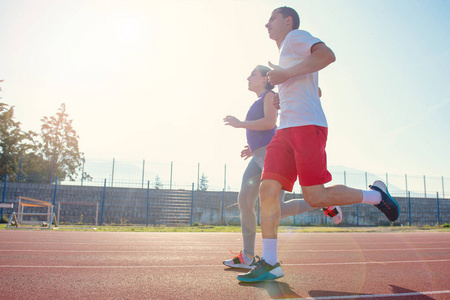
298	147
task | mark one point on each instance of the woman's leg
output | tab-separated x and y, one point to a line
247	198
293	207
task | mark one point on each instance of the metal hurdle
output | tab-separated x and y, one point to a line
17	217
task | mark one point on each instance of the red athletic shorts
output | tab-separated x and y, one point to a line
297	151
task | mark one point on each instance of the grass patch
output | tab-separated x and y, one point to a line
211	228
197	228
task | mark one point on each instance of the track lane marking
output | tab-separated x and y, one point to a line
376	296
281	251
184	243
209	266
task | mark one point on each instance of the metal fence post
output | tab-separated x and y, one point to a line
438	211
223	203
54	193
424	186
225	177
4	194
443	193
103	203
148	202
406	184
192	202
409	207
365	174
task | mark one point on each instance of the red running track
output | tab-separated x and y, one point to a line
119	265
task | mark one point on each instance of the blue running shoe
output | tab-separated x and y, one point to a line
388	205
262	271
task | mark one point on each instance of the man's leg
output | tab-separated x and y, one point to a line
378	195
311	164
320	196
276	157
269	192
267	268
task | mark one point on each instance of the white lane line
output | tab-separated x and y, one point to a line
222	266
152	251
371	262
200	243
411	294
364	250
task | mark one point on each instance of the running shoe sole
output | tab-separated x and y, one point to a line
262	272
238	266
272	275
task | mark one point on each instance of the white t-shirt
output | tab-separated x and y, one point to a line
299	99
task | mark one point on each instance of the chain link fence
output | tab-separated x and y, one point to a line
219	177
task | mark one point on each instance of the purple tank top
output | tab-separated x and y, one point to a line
258	138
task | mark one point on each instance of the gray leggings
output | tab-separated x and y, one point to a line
249	195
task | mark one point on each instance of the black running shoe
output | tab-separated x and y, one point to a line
388	205
262	271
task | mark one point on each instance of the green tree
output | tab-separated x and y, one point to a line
35	168
59	145
204	183
13	142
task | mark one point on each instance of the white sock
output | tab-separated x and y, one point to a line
270	253
371	197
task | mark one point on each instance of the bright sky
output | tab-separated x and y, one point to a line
153	79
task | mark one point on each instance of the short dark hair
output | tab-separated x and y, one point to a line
264	70
290	12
